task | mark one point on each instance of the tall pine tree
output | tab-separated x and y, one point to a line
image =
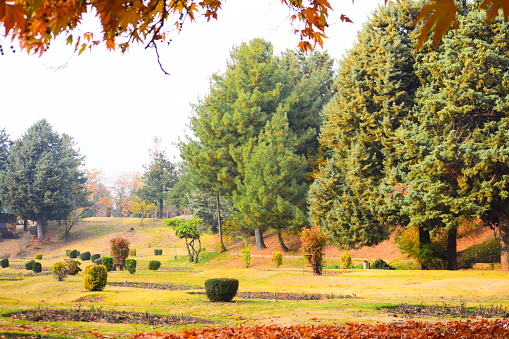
42	176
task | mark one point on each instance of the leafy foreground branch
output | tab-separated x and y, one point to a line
410	330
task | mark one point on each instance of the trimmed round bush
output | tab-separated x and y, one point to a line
221	289
154	265
73	254
29	265
107	261
381	265
68	252
130	265
85	256
93	257
38	257
59	270
4	263
98	261
132	253
95	277
37	267
158	251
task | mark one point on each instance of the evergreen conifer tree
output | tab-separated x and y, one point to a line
41	176
374	95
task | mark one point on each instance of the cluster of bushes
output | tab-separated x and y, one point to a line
380	264
158	251
33	265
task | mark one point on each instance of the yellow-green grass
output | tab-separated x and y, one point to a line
368	289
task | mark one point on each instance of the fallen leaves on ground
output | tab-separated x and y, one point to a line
493	329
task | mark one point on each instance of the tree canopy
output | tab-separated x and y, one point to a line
42	178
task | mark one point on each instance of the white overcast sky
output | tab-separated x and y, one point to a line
114	105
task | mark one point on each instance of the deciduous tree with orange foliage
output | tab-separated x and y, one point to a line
100	195
35	23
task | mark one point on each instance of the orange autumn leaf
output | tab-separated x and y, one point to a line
438	17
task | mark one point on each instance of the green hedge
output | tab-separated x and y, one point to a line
154	265
107	261
4	263
85	256
130	265
37	267
221	289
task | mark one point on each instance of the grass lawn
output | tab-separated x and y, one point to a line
361	292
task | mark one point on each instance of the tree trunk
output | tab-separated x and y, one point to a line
219	226
25	225
503	227
260	244
161	203
281	242
424	239
40	230
452	254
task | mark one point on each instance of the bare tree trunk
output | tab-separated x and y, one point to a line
260	244
452	253
25	225
281	242
40	230
424	239
503	227
160	208
219	226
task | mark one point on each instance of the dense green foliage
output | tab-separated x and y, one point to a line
107	262
158	180
130	265
375	90
257	128
4	263
221	289
95	278
42	176
158	251
93	257
85	256
73	254
37	267
29	265
154	265
188	229
380	264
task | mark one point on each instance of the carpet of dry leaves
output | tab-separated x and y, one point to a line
496	329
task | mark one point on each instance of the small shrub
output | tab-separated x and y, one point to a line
98	261
73	254
68	252
95	277
37	267
380	264
345	261
132	252
107	262
277	258
154	265
4	263
221	289
29	265
119	250
93	257
38	257
85	256
130	265
72	266
313	245
59	270
158	251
